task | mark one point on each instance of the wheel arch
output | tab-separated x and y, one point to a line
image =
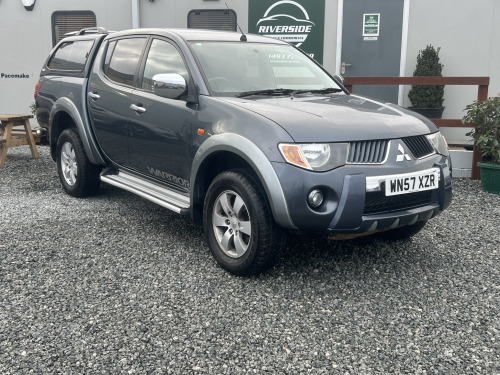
65	115
60	121
229	151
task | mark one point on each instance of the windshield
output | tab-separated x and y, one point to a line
233	68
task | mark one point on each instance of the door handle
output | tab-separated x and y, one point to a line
138	108
344	65
94	96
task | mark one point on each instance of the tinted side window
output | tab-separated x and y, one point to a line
122	60
109	52
163	57
71	56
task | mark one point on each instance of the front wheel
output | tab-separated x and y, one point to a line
79	177
239	225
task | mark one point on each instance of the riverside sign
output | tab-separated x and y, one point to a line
299	22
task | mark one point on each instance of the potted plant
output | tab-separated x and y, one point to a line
486	116
428	100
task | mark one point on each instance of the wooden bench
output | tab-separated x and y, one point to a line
11	138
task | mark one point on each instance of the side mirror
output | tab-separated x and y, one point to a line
339	78
169	86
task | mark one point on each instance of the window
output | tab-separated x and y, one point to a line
212	19
71	56
122	59
66	22
163	57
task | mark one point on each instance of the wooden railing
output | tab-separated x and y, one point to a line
482	93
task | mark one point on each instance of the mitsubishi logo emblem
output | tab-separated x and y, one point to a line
403	155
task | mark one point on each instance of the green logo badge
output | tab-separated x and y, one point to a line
300	23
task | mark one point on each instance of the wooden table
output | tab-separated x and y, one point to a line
11	138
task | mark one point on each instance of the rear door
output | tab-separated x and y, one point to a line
111	84
161	129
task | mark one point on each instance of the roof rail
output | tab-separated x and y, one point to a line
88	30
92	30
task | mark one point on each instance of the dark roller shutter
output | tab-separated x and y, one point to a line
66	22
212	19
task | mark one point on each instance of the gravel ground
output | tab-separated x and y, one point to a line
116	284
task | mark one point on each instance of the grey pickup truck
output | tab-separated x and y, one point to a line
245	134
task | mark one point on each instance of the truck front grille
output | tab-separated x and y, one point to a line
419	146
368	152
377	202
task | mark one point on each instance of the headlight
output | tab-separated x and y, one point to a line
315	156
439	143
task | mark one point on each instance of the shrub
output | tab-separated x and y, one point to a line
428	65
486	116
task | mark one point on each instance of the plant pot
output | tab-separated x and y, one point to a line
429	112
490	177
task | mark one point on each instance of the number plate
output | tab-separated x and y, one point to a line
412	182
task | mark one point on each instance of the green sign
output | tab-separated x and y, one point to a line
371	24
299	22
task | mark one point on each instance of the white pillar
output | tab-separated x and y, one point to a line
340	23
404	50
136	20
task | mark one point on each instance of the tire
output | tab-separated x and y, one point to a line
402	233
239	226
79	177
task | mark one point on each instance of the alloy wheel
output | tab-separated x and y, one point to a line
68	162
231	224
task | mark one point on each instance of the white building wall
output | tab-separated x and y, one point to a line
330	40
174	13
22	47
465	30
468	33
26	40
494	47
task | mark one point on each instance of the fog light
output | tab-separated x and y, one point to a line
315	198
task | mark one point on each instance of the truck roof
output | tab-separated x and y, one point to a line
199	35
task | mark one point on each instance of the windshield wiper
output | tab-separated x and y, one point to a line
269	92
290	92
329	90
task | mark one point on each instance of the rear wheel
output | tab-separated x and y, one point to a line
239	225
79	177
402	233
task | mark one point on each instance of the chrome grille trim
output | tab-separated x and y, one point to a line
419	146
368	152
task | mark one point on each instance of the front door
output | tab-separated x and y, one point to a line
371	44
161	129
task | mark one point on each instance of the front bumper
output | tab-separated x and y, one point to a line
353	205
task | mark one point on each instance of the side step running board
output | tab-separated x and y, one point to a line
151	191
